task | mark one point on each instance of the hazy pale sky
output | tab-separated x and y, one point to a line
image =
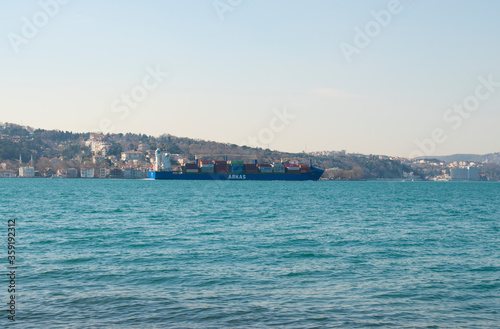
379	77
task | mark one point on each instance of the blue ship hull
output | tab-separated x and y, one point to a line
314	175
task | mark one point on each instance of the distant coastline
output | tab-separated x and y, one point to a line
28	153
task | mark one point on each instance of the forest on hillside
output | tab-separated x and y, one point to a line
69	146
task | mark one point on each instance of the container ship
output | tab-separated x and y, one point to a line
232	170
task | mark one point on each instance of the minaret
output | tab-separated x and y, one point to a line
31	161
20	159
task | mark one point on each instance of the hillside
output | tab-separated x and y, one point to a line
490	158
72	147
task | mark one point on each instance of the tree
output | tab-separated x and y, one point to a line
115	149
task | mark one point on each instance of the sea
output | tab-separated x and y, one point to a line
240	254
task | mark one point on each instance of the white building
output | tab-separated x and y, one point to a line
27	172
87	173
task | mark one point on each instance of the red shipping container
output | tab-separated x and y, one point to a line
264	165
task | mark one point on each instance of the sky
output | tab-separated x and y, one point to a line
405	78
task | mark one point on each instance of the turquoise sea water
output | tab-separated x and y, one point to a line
173	254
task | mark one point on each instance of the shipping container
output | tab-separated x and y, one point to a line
207	169
264	165
266	169
305	168
237	169
191	166
192	170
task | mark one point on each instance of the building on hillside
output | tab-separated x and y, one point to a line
128	172
459	174
115	173
96	136
48	173
473	173
131	155
98	158
87	173
112	158
72	172
7	173
27	172
470	173
143	147
67	173
103	173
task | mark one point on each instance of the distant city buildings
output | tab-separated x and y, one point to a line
131	155
48	173
328	153
67	173
143	147
98	158
97	145
7	173
135	173
87	173
27	172
470	173
103	173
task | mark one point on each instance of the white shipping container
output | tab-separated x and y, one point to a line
191	170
